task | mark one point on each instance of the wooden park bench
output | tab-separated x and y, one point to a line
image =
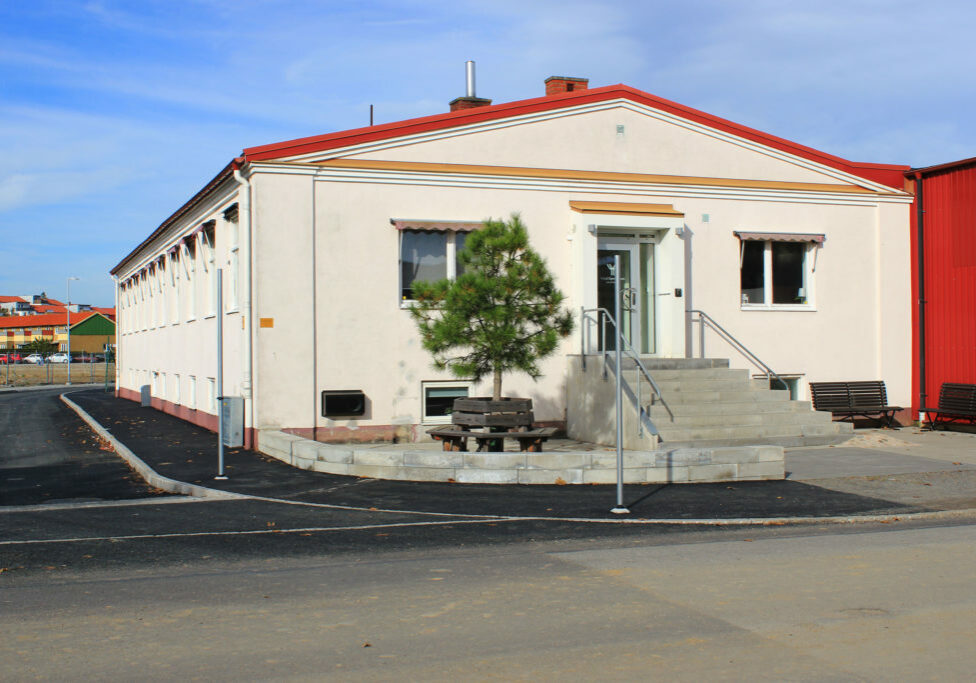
490	422
957	403
854	399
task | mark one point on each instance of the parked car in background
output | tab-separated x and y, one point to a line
34	358
84	358
58	358
11	358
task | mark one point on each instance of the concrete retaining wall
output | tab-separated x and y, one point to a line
683	465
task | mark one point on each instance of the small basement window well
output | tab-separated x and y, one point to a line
343	403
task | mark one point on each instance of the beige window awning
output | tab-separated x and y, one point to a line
778	237
436	226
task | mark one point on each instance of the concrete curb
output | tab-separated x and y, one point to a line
152	477
165	483
42	387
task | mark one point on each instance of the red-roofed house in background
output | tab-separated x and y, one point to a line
14	305
90	331
943	278
32	304
803	256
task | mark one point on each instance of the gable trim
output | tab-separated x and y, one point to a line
600	176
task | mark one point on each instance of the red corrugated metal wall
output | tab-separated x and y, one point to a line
949	201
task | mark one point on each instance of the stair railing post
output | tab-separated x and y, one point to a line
583	336
701	336
640	404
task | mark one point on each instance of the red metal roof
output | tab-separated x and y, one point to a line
887	174
43	319
951	165
11	299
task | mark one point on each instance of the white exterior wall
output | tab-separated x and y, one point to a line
283	293
152	342
859	327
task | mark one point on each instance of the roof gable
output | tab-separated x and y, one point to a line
890	175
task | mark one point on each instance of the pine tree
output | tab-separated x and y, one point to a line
502	313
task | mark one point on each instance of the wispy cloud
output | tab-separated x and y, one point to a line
114	112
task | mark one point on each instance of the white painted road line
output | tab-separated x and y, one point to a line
42	507
257	532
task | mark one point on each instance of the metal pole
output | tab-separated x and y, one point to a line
701	336
220	375
68	328
620	509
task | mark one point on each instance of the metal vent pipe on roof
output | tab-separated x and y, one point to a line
469	72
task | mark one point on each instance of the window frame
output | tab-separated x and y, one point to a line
439	384
450	257
809	269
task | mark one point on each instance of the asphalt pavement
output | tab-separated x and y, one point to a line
49	455
880	473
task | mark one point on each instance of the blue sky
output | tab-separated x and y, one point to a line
113	113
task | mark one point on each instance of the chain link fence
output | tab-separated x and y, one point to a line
21	374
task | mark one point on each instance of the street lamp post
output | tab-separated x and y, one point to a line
68	326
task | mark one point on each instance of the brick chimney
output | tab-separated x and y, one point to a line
459	103
557	85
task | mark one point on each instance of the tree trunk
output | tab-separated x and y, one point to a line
498	385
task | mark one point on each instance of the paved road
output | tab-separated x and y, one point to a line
893	605
48	454
169	587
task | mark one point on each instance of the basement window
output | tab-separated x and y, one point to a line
438	400
776	270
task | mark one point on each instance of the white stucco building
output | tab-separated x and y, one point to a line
802	256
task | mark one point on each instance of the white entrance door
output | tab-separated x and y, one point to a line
637	287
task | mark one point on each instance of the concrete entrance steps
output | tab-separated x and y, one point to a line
714	406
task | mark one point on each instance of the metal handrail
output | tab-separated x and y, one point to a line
705	319
627	347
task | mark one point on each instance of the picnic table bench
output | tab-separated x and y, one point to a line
456	438
490	422
850	399
957	403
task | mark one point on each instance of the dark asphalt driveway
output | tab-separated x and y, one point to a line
48	454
